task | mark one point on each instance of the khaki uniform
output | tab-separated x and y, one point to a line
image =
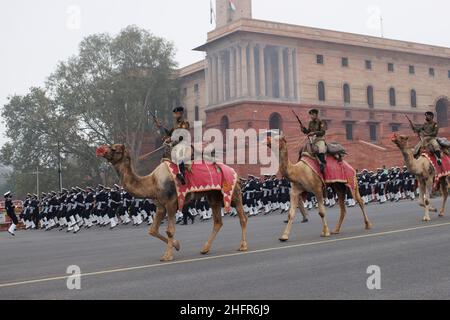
429	132
318	141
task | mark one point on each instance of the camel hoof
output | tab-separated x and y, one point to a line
243	248
166	258
336	232
305	221
433	209
204	251
369	226
325	235
284	238
426	219
177	245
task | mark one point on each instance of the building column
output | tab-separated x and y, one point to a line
238	72
214	79
252	73
291	73
232	74
244	70
208	81
281	82
262	71
220	90
269	74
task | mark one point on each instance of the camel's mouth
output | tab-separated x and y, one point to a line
101	151
394	138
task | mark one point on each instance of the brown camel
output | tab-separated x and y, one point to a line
160	187
304	179
423	169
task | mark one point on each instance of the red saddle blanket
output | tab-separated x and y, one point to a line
335	171
205	176
441	171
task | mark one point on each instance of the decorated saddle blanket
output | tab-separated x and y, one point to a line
441	171
205	176
335	171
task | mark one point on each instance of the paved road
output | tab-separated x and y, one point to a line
124	264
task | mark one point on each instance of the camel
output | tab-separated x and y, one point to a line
160	187
304	179
423	169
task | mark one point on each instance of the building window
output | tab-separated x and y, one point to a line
449	74
368	65
370	100
349	131
413	98
319	59
373	132
197	113
345	62
346	93
412	70
196	88
395	128
275	121
224	124
392	97
184	92
431	72
321	91
390	67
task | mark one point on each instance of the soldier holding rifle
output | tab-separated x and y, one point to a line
428	133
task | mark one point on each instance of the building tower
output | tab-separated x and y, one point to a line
228	11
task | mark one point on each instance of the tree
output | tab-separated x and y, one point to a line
102	95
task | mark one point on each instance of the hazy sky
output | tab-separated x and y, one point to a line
35	35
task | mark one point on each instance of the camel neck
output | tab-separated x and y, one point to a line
409	160
134	184
285	163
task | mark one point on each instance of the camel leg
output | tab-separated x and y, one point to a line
217	216
444	193
424	191
360	201
168	256
242	220
295	197
343	210
323	214
301	206
154	229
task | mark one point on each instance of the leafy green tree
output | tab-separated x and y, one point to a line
104	94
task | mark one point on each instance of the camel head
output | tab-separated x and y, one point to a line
280	139
114	154
400	141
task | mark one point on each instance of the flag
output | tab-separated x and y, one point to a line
232	5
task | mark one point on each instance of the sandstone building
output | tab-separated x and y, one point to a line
256	72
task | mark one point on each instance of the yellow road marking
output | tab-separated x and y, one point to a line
13	284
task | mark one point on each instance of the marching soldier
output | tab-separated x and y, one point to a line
180	123
316	132
11	213
428	133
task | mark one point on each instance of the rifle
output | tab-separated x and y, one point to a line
298	119
412	127
156	120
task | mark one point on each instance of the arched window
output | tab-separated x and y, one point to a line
370	100
442	108
197	113
413	98
392	97
275	122
321	91
224	124
346	93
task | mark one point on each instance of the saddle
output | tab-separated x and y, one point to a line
334	149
